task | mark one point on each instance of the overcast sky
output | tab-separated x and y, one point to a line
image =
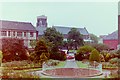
99	18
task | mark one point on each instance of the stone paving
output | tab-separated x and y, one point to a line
71	64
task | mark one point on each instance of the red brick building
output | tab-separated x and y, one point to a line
111	40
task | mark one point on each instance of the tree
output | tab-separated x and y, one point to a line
40	48
13	49
54	37
75	38
94	56
94	38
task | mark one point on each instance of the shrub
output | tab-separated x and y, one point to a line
13	49
85	49
107	57
102	59
60	55
83	52
94	56
113	60
43	57
118	52
100	47
1	56
40	49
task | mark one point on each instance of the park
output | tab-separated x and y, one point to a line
48	58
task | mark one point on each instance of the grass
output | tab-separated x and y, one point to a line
23	69
81	65
61	64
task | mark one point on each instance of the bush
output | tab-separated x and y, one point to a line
18	75
60	55
118	52
1	56
43	58
102	59
100	47
40	49
113	60
83	52
13	49
107	57
94	56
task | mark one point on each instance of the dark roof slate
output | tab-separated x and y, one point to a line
111	36
65	30
14	25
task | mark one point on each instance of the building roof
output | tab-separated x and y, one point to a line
111	36
14	25
65	30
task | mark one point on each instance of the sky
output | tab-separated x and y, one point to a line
99	18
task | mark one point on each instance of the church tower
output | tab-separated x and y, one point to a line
41	21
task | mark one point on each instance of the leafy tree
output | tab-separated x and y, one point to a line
75	38
40	48
94	38
94	56
13	49
54	37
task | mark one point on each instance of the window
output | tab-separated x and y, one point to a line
3	33
31	34
8	33
24	34
19	34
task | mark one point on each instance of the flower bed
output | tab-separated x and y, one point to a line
21	65
108	65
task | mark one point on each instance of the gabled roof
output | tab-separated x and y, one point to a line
14	25
65	30
111	36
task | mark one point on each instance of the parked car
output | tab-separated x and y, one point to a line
70	56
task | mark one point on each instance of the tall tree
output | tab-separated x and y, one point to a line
94	38
54	37
75	38
40	48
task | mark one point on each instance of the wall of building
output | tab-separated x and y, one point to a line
111	43
26	38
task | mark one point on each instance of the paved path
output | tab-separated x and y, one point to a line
71	64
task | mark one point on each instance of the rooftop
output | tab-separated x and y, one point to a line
111	36
14	25
65	30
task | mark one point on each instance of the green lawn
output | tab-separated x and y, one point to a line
61	64
81	65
